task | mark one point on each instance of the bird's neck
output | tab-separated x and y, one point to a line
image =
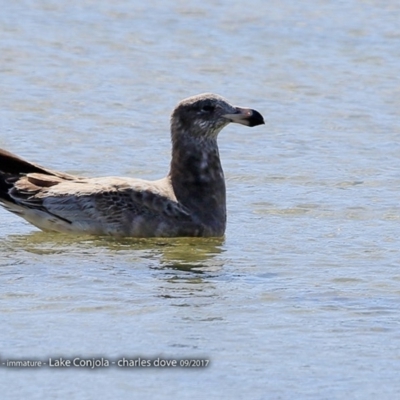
198	180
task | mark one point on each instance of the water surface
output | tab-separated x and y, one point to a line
301	297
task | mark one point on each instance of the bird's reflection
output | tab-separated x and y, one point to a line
182	271
195	255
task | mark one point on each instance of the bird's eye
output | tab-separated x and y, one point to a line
207	108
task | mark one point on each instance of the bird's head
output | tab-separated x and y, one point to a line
204	115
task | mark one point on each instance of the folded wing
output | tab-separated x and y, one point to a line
114	206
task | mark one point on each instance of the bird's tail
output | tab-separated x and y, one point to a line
13	167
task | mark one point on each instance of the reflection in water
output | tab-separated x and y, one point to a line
184	268
185	254
192	254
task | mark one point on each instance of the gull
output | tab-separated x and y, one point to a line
189	201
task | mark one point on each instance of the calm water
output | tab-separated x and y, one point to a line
301	299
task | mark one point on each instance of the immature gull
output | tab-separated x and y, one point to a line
190	201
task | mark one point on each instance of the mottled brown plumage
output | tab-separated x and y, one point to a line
190	201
